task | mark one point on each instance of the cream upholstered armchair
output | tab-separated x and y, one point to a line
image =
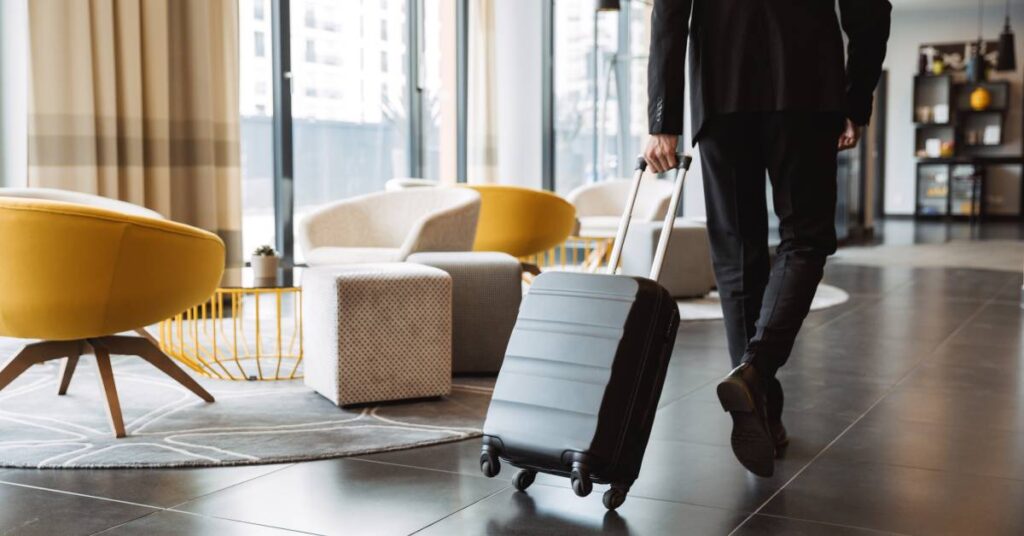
389	226
599	206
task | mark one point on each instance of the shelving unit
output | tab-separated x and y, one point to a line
954	143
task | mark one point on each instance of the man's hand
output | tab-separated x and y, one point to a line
661	152
850	136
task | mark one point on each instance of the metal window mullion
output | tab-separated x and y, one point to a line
623	64
415	89
462	89
548	97
284	187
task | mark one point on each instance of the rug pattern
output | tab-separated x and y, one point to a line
251	423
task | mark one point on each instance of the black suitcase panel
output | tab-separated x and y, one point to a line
582	375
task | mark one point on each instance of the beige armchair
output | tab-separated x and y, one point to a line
389	226
599	206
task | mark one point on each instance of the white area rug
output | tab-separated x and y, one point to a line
250	423
710	307
1003	255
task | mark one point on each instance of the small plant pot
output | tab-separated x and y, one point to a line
264	266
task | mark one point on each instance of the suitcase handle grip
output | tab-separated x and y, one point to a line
683	167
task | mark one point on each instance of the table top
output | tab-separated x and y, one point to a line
243	278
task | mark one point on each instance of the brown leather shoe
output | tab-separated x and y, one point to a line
774	400
742	395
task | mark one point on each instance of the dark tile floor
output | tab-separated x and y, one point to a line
905	406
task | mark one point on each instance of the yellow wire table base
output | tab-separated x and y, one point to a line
577	253
235	337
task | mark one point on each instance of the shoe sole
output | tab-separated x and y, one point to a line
751	442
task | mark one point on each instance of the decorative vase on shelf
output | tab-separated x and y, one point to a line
264	262
981	99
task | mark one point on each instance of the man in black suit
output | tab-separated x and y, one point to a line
770	91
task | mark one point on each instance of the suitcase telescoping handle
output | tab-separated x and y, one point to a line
666	229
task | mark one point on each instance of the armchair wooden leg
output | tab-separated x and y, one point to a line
67	370
33	354
145	349
106	374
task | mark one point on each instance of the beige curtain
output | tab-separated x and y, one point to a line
482	119
138	100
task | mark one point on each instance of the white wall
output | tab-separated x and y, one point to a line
519	39
912	26
13	93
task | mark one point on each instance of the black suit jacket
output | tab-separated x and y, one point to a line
764	55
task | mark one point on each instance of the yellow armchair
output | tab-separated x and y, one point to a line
521	221
76	275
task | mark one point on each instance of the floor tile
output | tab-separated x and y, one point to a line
842	395
548	511
461	457
995	453
346	496
998	324
704	475
762	525
902	499
979	356
700	421
30	512
155	487
681	381
167	523
955	409
1008	379
956	283
857	280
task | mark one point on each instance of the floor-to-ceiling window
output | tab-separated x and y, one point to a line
372	98
256	100
349	98
598	82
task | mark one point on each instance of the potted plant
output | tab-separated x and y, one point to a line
264	262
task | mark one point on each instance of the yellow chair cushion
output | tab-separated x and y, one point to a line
521	221
70	271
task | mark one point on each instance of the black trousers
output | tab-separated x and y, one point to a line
765	302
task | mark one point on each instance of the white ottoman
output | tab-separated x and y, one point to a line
688	272
486	291
377	332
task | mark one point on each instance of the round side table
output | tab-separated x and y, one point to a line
234	337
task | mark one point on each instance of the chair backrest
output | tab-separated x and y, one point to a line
71	271
405	183
521	221
608	198
79	198
379	219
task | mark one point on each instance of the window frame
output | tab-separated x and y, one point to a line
283	144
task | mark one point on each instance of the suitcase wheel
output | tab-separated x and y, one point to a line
614	497
523	479
489	464
580	479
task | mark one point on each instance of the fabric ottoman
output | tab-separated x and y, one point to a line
486	291
688	272
377	332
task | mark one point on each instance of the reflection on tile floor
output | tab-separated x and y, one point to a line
905	406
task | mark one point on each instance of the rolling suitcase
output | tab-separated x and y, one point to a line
583	371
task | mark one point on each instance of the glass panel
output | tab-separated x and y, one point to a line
932	189
437	67
256	102
350	94
966	190
576	103
639	45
